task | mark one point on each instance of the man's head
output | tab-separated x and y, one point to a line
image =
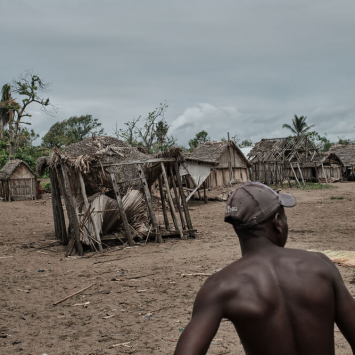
255	208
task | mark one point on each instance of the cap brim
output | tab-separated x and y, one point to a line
287	200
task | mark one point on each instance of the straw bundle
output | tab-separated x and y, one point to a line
342	257
106	214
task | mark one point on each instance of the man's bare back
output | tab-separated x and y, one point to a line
281	301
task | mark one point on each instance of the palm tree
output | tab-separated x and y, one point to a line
299	125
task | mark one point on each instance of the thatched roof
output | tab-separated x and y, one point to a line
10	167
345	152
91	154
210	152
284	149
324	158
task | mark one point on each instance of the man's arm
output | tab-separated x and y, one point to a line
345	311
206	317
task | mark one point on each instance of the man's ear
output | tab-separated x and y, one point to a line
278	222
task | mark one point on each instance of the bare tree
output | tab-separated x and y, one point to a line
28	85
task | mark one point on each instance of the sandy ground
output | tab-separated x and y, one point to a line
140	287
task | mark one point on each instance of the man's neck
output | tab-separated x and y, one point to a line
256	244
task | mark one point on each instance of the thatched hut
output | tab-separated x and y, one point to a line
214	164
346	152
106	187
277	160
17	181
327	168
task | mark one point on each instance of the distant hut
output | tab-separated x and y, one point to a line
346	152
215	164
106	188
276	160
17	181
327	168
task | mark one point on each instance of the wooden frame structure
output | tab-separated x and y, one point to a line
73	182
277	161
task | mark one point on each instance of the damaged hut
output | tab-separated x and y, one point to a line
214	164
17	181
281	159
106	187
346	152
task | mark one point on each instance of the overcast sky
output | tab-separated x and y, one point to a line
244	67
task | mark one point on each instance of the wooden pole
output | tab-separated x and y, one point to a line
295	176
171	204
265	173
148	199
325	175
166	220
58	214
316	171
176	196
86	203
286	174
205	199
230	159
281	177
71	211
299	169
183	199
121	209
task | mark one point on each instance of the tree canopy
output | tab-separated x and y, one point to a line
152	134
200	137
299	125
72	130
28	86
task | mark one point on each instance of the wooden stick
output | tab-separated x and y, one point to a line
172	208
325	175
73	294
122	212
148	199
176	196
71	211
298	165
166	220
183	199
295	176
86	203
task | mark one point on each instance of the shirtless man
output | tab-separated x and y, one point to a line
281	301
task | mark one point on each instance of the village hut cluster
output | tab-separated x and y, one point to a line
106	185
113	191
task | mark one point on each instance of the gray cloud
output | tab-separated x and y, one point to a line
243	67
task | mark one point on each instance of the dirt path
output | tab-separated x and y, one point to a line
140	287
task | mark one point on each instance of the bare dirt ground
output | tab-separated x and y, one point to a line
152	303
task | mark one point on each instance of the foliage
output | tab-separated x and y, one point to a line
336	197
71	130
201	137
245	143
28	86
25	150
320	142
152	136
299	125
345	141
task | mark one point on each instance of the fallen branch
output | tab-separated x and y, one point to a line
5	257
73	294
